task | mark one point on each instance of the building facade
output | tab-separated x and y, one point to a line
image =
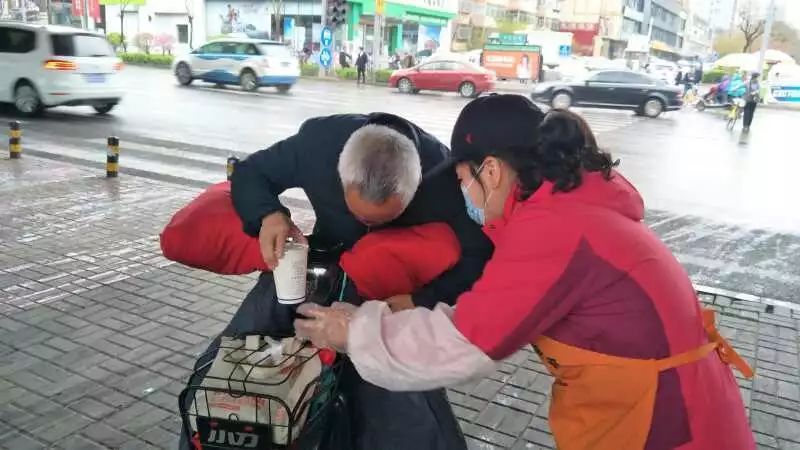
409	26
699	35
666	21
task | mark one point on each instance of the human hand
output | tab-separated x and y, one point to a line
326	327
400	302
275	228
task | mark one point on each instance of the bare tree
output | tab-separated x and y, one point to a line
750	24
277	17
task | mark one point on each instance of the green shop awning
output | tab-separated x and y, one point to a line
407	12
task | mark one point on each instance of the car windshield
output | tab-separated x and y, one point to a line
275	50
81	45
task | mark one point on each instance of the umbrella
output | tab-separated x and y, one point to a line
742	61
775	56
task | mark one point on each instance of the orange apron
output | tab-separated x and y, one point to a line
604	402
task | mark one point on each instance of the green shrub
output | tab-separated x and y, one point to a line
347	74
309	70
148	60
115	39
382	75
715	75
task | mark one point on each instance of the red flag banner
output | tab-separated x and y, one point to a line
77	8
94	9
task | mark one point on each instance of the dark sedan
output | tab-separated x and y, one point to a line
615	89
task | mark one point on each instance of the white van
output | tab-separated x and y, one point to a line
43	66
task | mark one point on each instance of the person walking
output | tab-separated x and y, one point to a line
678	78
361	66
752	96
344	59
612	314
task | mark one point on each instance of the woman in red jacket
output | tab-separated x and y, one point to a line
576	273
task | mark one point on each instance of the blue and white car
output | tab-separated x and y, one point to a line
250	63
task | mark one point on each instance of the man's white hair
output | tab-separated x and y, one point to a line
380	162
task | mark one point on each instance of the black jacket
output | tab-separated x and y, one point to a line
309	159
361	61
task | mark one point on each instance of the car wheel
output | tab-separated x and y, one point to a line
184	74
653	108
700	105
405	86
248	80
467	90
284	88
27	100
104	109
561	100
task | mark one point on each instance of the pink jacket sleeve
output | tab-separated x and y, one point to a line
523	290
412	350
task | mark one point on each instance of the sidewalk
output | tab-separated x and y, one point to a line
98	331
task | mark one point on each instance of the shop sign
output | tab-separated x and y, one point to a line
424	19
786	93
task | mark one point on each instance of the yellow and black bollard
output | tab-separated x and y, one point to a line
15	139
112	157
230	166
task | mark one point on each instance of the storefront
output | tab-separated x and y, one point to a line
255	18
409	25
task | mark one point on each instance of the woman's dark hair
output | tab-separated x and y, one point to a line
566	149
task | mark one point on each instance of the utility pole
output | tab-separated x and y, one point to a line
732	26
765	39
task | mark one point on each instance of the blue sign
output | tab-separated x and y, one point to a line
326	37
325	57
564	50
788	94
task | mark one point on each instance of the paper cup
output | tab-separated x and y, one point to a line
290	274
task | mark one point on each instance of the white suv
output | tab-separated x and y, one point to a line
44	66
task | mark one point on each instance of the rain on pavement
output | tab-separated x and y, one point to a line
725	202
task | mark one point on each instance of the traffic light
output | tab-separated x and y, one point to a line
337	12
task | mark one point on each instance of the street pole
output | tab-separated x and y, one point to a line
765	40
86	13
324	17
24	11
378	43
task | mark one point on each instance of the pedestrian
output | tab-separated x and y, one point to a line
752	96
678	78
408	61
362	172
575	272
344	58
361	66
687	82
698	75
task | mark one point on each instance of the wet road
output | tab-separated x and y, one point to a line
726	203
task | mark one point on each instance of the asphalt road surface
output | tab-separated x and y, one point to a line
724	201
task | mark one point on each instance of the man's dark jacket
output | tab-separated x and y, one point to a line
309	159
361	61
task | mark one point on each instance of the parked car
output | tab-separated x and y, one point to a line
250	63
42	66
615	89
454	76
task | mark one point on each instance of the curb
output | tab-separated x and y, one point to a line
182	181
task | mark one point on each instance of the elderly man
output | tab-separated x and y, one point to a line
360	173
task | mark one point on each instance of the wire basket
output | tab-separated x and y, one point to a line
258	402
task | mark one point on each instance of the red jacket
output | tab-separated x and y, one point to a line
583	269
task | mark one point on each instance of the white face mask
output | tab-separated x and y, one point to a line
478	215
